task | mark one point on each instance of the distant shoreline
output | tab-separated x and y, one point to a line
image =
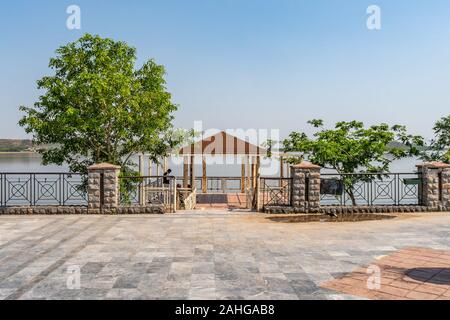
17	152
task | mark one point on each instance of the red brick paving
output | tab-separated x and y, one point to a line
408	274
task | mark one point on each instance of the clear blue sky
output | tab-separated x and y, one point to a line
253	63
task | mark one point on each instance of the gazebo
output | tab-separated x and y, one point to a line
222	144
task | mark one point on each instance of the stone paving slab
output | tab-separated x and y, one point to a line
206	255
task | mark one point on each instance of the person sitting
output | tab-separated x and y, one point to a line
166	180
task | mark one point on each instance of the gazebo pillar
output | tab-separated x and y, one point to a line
166	164
204	178
192	172
142	182
258	165
281	171
185	172
141	165
254	172
157	167
248	171
243	175
257	181
150	165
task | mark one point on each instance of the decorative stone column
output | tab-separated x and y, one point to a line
305	187
103	188
446	187
435	186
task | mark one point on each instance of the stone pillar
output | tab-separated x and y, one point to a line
435	186
446	188
305	187
103	188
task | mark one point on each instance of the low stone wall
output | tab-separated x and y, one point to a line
376	209
44	210
279	209
60	210
355	209
153	209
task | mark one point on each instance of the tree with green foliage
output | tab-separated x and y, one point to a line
439	148
98	107
350	147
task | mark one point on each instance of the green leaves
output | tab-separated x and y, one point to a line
316	123
97	107
439	148
350	146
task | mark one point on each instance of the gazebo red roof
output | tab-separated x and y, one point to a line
222	143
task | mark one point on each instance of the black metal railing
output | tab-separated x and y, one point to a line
275	191
371	189
145	190
42	189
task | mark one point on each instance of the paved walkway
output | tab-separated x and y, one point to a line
198	255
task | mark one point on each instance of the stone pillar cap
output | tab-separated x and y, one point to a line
306	165
434	165
104	166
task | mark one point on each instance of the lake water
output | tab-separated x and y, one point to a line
216	166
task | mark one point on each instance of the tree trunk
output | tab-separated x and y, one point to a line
352	196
